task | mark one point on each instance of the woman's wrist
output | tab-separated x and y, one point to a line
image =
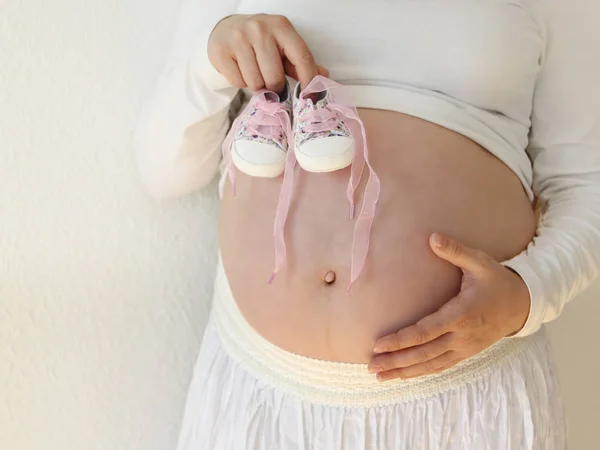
522	301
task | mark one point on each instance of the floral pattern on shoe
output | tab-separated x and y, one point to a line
244	133
301	107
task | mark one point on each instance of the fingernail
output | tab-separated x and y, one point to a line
438	240
374	369
379	350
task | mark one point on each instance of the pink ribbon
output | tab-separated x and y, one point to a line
337	108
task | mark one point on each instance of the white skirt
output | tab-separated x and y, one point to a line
247	394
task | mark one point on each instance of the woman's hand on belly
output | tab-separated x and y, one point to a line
493	303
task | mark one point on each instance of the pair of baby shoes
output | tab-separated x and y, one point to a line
259	141
320	130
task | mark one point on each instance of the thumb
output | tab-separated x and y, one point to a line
323	71
291	71
460	255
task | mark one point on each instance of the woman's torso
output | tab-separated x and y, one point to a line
479	56
432	179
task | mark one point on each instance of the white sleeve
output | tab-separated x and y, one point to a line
180	130
564	257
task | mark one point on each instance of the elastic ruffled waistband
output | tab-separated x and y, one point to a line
335	383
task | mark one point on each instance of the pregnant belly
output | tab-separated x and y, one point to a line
432	179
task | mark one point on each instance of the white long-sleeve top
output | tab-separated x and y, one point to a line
519	77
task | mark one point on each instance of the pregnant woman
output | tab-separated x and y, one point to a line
482	124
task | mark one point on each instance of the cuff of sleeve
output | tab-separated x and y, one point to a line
537	309
201	64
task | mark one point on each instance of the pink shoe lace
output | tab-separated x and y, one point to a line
323	120
269	121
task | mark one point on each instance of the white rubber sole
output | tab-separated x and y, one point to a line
257	170
328	163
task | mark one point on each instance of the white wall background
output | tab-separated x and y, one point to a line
103	292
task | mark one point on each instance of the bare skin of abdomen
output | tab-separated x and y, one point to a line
432	179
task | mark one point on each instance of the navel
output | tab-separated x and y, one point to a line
329	277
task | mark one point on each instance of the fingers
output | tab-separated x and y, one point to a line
323	71
250	50
435	365
270	65
466	258
230	70
246	59
425	330
291	70
298	54
410	356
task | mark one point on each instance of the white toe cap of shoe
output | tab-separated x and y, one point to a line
258	159
325	154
